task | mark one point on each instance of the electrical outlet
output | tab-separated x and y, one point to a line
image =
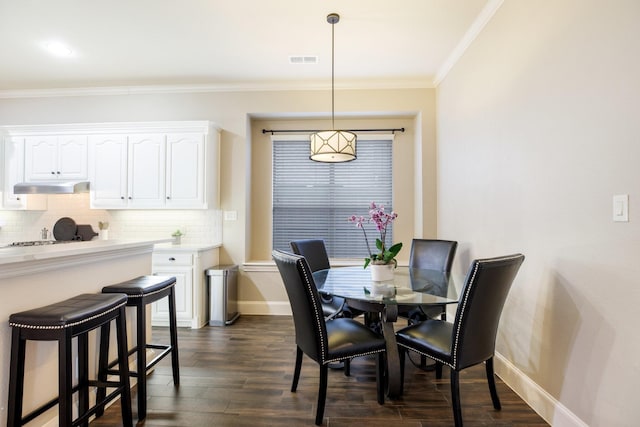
230	215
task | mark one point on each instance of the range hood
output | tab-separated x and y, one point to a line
51	187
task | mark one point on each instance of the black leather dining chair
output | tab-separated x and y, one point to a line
315	252
471	338
431	254
324	341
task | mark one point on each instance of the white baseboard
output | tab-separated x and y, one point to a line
548	407
275	308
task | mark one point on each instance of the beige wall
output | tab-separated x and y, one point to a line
537	129
234	112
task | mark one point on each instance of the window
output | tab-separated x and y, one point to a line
313	200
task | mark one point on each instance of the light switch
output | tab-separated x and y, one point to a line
621	208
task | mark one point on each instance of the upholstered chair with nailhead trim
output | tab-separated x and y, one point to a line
471	338
324	341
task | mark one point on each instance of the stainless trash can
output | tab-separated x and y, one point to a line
223	294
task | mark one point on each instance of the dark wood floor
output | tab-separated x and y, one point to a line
240	375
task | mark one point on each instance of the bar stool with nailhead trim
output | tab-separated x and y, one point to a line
142	291
61	322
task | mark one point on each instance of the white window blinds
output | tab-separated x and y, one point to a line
313	200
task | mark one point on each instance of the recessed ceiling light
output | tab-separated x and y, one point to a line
58	49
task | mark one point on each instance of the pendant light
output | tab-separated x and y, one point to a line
333	146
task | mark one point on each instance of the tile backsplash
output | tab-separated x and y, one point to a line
197	226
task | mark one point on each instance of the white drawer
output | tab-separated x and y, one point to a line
172	259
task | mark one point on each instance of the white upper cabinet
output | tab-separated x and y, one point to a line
13	173
173	167
55	157
146	171
12	155
129	165
108	171
185	171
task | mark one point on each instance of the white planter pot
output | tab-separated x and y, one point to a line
386	290
381	272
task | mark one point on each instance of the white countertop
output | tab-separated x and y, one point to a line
166	247
14	254
18	260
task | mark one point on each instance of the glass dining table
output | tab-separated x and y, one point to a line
410	287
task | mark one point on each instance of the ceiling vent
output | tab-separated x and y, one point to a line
303	60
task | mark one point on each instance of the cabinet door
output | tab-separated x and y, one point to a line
108	171
185	171
184	297
41	157
72	157
146	171
13	173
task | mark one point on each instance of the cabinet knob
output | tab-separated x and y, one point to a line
168	197
58	172
122	197
172	259
130	197
53	173
18	198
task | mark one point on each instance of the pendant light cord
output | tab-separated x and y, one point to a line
333	125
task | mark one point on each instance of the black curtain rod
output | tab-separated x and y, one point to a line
273	132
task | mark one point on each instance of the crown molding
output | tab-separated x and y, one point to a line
225	87
184	126
476	27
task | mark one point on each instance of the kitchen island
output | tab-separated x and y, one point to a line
35	276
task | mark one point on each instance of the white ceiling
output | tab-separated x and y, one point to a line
232	43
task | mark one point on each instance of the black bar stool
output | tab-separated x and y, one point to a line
61	322
142	291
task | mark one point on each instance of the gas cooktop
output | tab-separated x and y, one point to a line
38	243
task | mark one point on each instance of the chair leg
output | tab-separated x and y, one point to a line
103	361
423	361
296	371
83	375
123	367
380	378
141	356
455	398
492	384
438	370
65	385
16	379
347	367
322	393
173	331
402	354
